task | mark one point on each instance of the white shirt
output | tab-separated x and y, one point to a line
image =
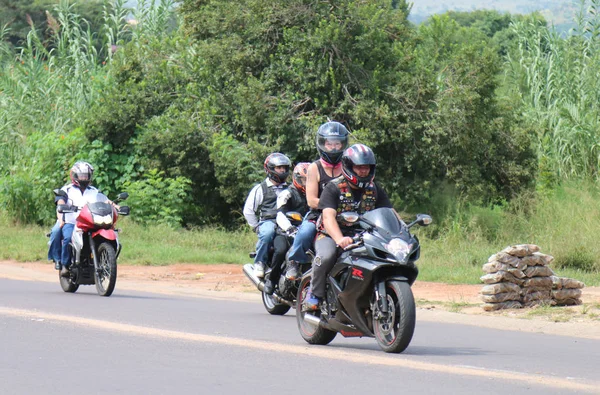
76	198
255	199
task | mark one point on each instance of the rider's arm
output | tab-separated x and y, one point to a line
312	186
282	221
253	201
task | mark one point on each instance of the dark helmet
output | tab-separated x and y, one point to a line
274	160
358	154
299	176
332	132
81	174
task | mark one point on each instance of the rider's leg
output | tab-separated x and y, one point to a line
67	232
326	254
302	242
266	234
280	246
54	245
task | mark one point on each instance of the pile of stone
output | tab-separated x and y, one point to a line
520	276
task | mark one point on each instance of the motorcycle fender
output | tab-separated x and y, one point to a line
108	234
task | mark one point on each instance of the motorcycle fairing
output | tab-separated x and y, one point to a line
108	234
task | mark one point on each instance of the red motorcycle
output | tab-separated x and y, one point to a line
94	245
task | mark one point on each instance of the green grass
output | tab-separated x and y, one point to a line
565	224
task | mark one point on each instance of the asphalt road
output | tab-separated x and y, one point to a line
142	343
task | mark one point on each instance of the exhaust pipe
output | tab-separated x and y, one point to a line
249	272
311	319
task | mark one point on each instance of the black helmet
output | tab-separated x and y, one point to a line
274	160
332	132
358	154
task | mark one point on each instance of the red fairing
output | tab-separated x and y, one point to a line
85	221
108	234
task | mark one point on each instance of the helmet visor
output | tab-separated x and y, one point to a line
332	144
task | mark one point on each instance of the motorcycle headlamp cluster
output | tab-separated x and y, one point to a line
398	247
102	220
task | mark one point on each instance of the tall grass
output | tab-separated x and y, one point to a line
557	80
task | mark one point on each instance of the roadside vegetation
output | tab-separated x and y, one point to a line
486	121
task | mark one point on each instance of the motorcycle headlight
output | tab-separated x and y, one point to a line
399	248
103	219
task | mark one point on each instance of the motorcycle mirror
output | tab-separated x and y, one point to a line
123	210
422	220
294	215
122	196
349	217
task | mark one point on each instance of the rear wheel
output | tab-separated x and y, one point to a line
67	284
394	330
106	273
274	307
311	333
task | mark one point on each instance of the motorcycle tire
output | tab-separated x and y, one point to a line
395	333
106	275
273	307
310	333
67	284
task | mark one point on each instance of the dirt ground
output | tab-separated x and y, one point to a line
435	301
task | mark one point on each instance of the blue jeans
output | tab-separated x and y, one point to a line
54	246
67	232
266	234
302	242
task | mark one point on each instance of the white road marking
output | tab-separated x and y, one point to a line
319	352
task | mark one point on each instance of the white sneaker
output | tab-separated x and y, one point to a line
259	269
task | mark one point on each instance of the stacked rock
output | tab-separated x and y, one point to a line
519	276
566	291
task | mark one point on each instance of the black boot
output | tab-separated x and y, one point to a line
293	271
269	287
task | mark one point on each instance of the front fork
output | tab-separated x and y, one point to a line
94	257
381	296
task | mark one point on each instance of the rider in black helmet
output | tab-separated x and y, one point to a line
353	191
331	141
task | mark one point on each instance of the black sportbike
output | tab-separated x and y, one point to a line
284	296
369	288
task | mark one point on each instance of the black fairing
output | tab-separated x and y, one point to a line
356	273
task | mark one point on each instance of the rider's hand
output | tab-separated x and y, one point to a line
345	242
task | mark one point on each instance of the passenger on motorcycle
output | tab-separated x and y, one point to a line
260	209
79	192
331	141
292	199
353	191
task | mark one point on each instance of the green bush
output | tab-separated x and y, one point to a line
158	200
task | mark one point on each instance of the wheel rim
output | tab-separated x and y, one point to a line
388	324
104	270
308	329
269	301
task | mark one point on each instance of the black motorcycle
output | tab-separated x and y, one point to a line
284	296
369	288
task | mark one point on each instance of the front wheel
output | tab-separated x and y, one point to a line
312	334
394	329
274	307
106	273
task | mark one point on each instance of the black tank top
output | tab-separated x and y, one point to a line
324	178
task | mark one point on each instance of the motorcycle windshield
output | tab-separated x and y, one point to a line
385	219
100	206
